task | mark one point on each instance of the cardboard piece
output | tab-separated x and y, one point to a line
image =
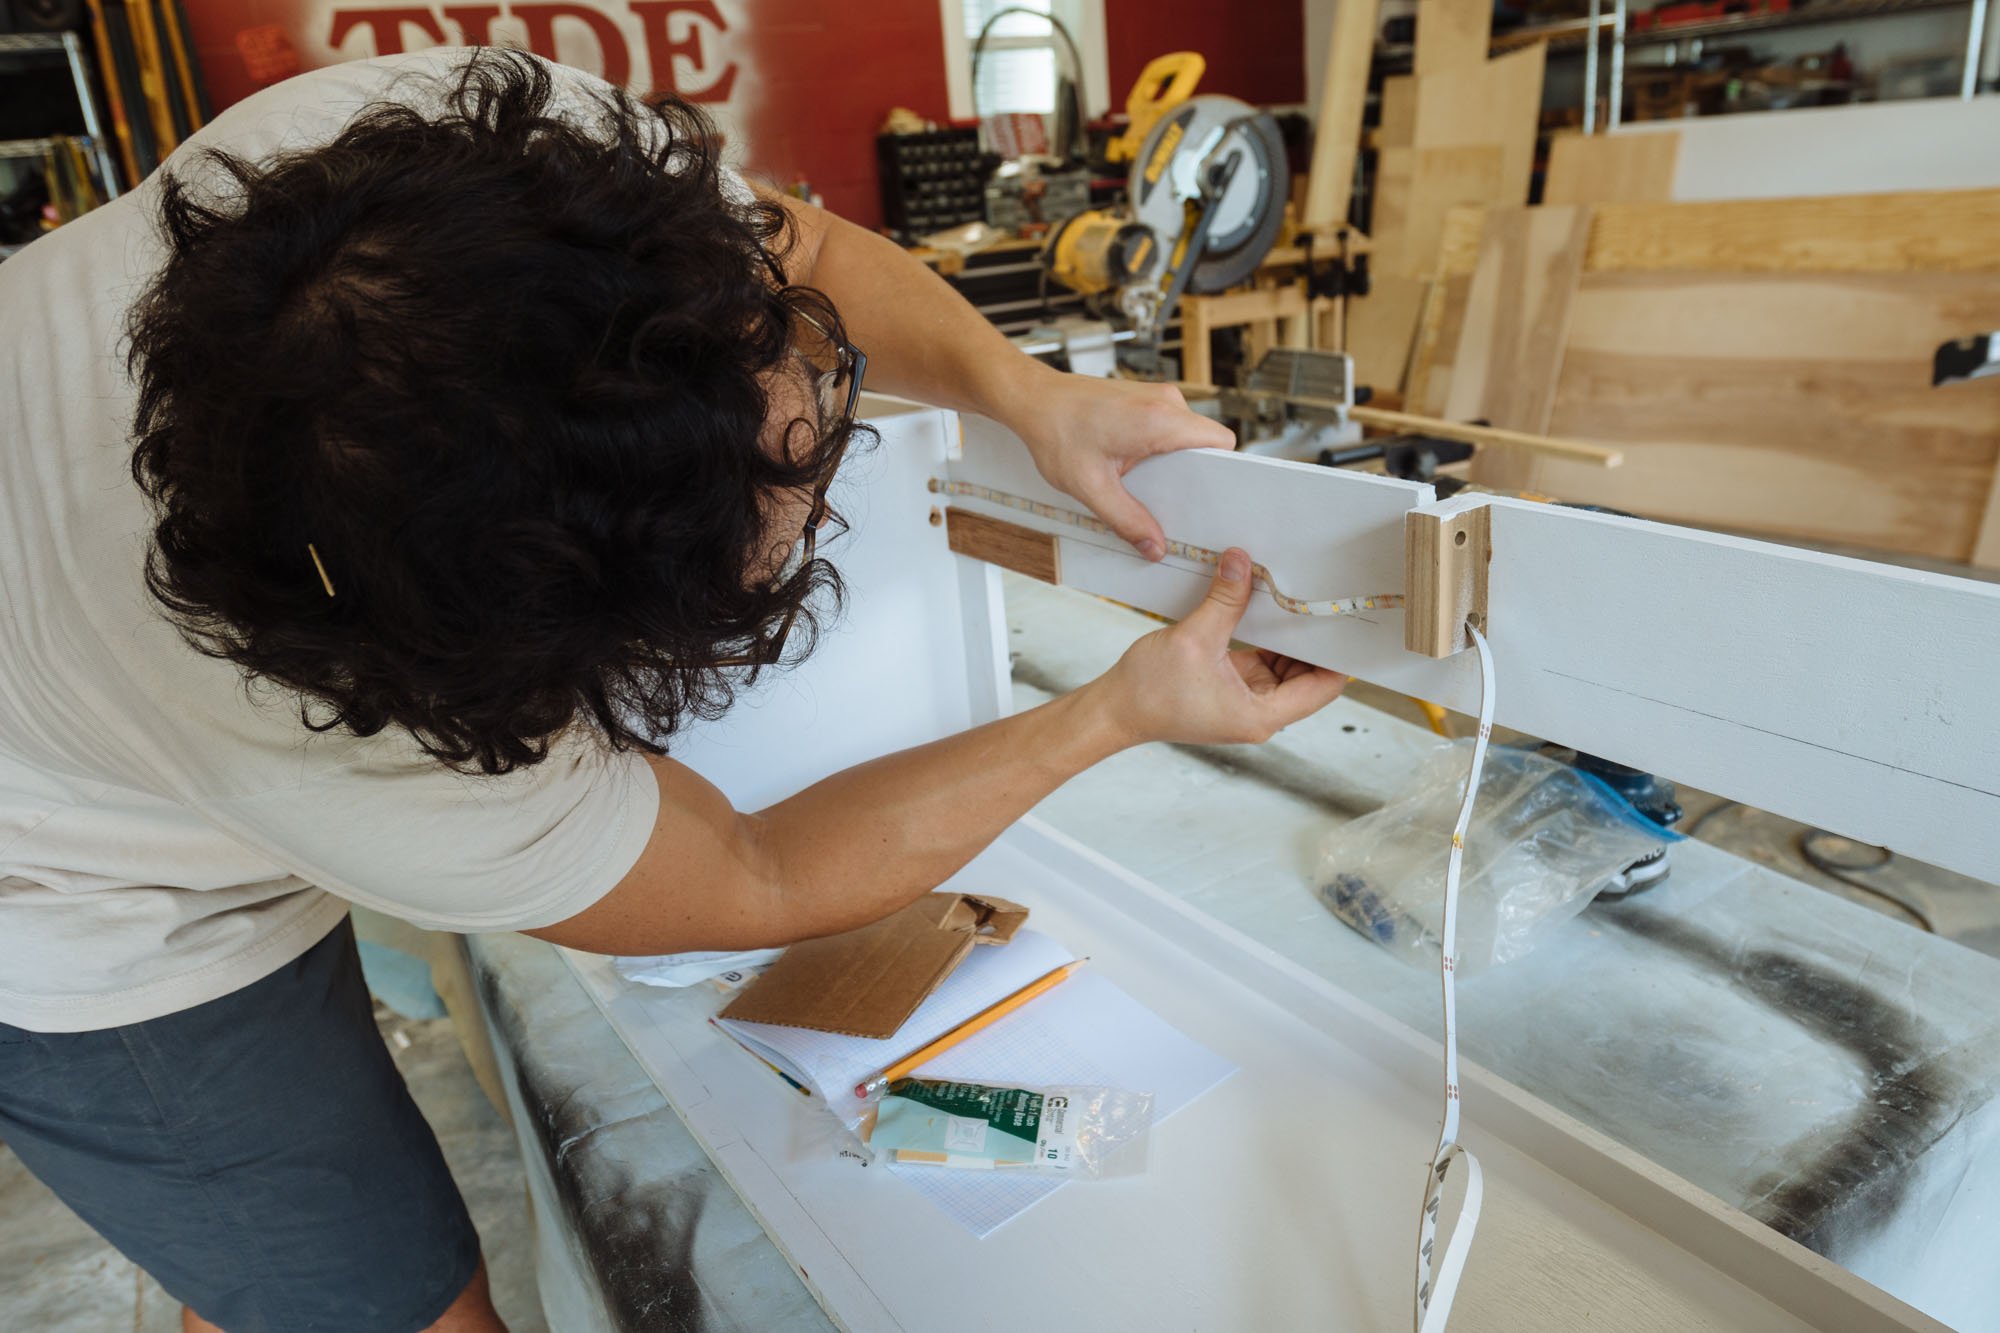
867	982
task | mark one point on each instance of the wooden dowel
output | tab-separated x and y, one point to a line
1574	450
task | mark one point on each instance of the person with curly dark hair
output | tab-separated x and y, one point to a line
382	485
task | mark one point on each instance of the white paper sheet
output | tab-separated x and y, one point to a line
1085	1031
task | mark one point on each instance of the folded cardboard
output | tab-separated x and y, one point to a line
867	982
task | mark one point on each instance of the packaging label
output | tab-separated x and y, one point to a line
1055	1136
967	1123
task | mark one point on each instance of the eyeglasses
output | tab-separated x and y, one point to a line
834	362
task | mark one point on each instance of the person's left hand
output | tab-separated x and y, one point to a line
1086	434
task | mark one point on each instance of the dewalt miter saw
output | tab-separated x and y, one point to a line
1204	203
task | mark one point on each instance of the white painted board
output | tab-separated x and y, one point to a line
1323	534
1852	695
1844	693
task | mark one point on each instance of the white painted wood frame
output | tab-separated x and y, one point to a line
1286	1197
1855	696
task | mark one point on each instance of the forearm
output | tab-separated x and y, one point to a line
923	339
856	846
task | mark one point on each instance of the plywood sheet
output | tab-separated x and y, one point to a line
1441	179
1932	231
1395	168
1931	143
1337	124
1514	104
1498	103
1517	316
1611	168
1382	328
1429	378
1399	113
1794	404
1452	35
1472	141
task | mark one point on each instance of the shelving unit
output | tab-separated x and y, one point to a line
70	47
1609	20
1570	33
34	147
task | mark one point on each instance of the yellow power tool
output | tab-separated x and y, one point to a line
1204	203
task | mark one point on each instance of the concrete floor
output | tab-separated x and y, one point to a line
57	1276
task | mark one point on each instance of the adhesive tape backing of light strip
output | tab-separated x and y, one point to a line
1201	555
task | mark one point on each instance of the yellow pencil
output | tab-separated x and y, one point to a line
984	1019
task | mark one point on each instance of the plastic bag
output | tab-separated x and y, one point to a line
1054	1131
1544	839
691	969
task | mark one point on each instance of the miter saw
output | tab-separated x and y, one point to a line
1204	203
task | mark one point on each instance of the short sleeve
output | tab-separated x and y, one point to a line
394	830
386	825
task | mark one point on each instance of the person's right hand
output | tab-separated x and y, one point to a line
1183	684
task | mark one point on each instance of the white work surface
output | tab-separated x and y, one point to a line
1285	1198
1287	1195
1755	1092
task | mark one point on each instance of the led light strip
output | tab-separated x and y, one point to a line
1433	1303
1345	606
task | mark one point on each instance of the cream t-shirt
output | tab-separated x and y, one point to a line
167	833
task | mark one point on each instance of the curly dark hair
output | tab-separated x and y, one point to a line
504	364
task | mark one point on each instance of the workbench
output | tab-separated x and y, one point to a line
1823	1068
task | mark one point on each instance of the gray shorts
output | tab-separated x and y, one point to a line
257	1154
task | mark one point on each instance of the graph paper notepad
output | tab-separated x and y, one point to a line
1085	1031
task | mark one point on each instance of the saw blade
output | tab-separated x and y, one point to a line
1166	176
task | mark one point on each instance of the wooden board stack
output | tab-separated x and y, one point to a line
1612	168
1764	364
1517	316
1459	131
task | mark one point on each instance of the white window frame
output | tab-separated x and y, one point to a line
1085	21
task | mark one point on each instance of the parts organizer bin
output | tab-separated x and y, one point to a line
931	181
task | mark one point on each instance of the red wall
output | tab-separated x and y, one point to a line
831	74
1252	46
800	86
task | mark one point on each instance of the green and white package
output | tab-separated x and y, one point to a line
1055	1130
